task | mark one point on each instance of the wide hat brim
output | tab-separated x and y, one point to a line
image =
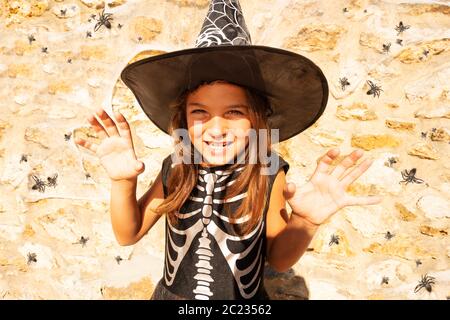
295	87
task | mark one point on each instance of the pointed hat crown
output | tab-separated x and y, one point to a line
224	25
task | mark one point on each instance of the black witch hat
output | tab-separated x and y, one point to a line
296	88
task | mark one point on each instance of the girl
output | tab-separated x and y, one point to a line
220	270
225	205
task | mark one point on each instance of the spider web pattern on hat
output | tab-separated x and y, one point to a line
224	25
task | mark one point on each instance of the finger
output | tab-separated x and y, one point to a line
122	125
139	166
101	133
109	124
289	190
347	163
362	201
86	144
356	172
323	163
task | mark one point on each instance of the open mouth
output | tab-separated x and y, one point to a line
218	147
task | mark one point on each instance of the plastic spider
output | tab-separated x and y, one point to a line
386	47
82	241
401	27
425	282
391	161
385	280
410	176
103	20
51	181
374	90
334	240
388	235
23	158
39	185
67	136
343	82
31	38
31	257
118	259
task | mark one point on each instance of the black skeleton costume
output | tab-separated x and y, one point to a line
204	257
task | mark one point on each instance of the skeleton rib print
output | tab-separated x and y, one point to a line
202	233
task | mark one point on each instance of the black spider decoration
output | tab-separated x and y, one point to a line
120	26
388	235
425	52
31	38
31	257
410	176
44	50
423	135
334	240
374	90
418	263
401	27
23	158
343	82
51	181
63	12
67	136
87	175
391	161
39	184
69	60
82	241
425	282
118	259
385	280
88	34
103	20
386	47
399	42
345	10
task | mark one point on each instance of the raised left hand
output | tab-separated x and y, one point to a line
325	193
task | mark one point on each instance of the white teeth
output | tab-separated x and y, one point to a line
220	145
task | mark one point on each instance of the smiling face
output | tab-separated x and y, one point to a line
218	121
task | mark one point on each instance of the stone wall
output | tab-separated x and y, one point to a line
57	65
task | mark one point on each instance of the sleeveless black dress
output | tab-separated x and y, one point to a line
205	259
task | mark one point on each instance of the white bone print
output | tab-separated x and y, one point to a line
206	223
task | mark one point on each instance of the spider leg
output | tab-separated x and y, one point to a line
417	180
417	288
404	175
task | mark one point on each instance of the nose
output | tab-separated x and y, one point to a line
216	127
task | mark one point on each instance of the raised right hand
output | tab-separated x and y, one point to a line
116	150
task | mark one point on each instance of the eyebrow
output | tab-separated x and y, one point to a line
240	105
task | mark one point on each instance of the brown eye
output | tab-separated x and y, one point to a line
198	111
236	113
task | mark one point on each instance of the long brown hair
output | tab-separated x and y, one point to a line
183	177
